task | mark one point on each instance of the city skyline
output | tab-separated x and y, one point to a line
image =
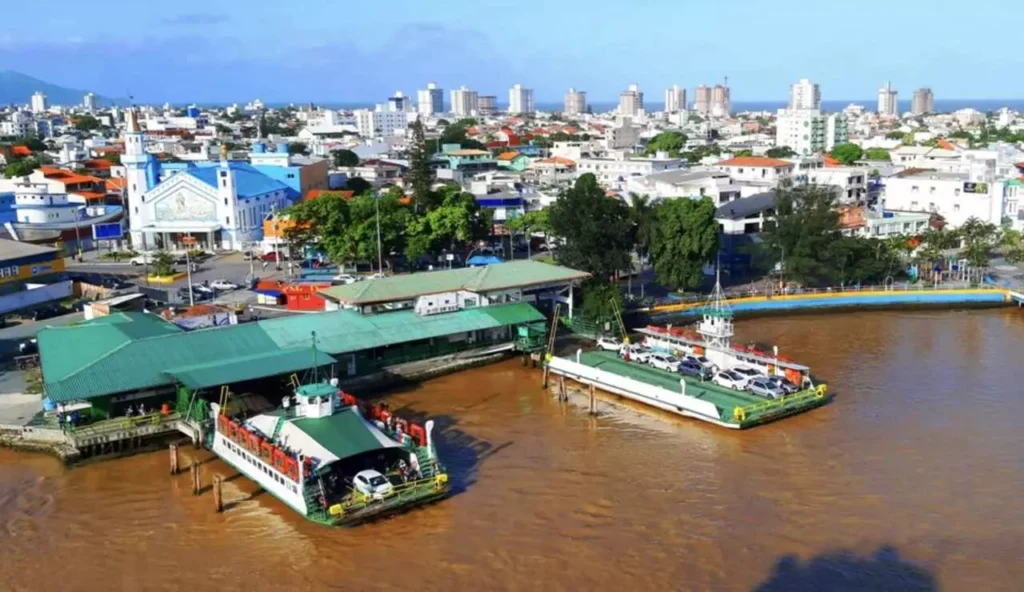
220	51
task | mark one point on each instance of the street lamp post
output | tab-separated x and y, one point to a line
189	241
380	254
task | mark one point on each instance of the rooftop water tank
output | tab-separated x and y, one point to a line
282	148
259	148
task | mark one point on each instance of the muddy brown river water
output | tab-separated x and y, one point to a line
912	479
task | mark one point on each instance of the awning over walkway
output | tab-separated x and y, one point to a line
237	369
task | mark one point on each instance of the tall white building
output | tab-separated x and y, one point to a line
675	99
887	106
90	102
575	102
430	100
465	102
486	104
380	123
809	131
631	101
520	100
804	95
38	102
923	102
702	100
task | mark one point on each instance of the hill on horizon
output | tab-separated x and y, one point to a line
17	89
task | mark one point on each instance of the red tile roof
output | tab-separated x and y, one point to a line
114	185
21	151
508	156
756	161
91	195
67	176
830	161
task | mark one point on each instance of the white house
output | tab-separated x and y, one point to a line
956	197
717	185
614	171
756	168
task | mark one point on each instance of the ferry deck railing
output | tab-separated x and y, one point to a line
756	410
122	424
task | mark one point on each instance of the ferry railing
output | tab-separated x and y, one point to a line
120	424
745	412
400	494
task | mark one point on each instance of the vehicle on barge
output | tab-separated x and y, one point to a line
332	459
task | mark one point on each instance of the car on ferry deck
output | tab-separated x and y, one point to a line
691	368
637	353
701	361
730	379
609	344
664	362
765	387
788	387
372	484
747	373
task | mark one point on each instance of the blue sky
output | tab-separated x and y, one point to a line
357	50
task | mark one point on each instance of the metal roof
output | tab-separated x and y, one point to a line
237	369
512	274
249	181
342	434
133	351
748	206
11	249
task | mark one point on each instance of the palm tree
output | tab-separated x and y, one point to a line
977	240
641	216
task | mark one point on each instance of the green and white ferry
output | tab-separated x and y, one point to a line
331	459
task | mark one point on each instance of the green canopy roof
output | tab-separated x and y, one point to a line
343	434
229	370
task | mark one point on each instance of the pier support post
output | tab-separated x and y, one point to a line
174	459
218	501
196	478
562	395
593	401
544	384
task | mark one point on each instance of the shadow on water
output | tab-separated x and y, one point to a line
461	453
844	571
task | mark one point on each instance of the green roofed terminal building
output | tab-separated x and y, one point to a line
408	325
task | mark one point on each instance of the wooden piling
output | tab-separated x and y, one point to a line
218	501
544	384
196	479
562	395
174	459
593	401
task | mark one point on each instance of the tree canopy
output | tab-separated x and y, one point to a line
358	185
780	152
343	157
876	154
20	167
86	123
805	225
298	148
456	134
668	141
684	240
596	229
847	153
420	175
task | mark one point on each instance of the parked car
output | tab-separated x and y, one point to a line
141	259
747	373
377	276
29	346
694	369
637	353
372	484
664	362
346	279
272	257
609	344
765	387
223	285
784	384
730	379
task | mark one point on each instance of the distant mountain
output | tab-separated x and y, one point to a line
17	88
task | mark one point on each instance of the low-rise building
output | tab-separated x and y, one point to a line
757	168
746	215
957	197
617	169
868	223
30	276
717	185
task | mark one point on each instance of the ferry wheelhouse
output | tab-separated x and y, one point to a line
713	340
314	451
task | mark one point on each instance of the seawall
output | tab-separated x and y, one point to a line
850	300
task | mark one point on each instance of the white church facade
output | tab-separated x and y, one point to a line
219	205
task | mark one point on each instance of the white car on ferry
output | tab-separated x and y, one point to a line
609	344
730	380
664	362
635	353
747	373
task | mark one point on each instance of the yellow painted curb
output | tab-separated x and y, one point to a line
167	279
